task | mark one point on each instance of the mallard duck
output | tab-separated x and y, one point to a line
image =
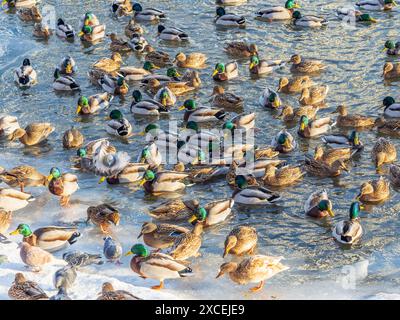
259	67
241	240
13	200
51	238
374	191
177	88
318	205
350	15
204	173
92	33
349	231
284	142
72	138
200	114
278	13
166	97
148	14
34	257
163	181
157	266
394	175
213	213
151	155
109	293
22	289
118	125
30	14
342	141
296	84
224	72
160	236
391	71
62	185
383	152
308	129
226	100
103	216
376	5
253	269
172	34
284	176
33	133
390	127
92	146
242	121
121	8
25	76
8	124
132	27
138	74
193	60
133	172
392	108
308	20
313	95
158	58
64	30
114	85
109	64
94	103
252	195
188	244
118	44
321	169
64	83
392	48
67	66
330	155
19	3
5	222
351	120
22	176
42	30
174	210
240	49
228	20
305	66
192	77
289	114
142	106
270	99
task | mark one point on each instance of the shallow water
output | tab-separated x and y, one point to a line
355	62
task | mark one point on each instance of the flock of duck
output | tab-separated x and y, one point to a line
195	165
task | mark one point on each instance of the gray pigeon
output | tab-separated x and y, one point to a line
64	277
112	250
61	295
79	259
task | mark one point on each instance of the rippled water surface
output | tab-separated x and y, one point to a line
355	62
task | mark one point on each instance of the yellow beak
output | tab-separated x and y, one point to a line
251	65
49	178
164	101
384	49
362	207
142	182
181	108
296	6
277	103
215	72
80	34
142	133
68	69
78	109
331	213
302	126
101	180
128	253
178	74
192	218
14	233
373	20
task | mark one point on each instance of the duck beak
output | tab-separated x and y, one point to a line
164	101
78	109
277	103
181	108
49	178
68	69
101	180
142	182
14	233
302	126
178	74
384	49
128	253
331	213
80	34
192	219
140	234
219	274
373	20
142	133
214	73
226	251
251	65
296	6
362	207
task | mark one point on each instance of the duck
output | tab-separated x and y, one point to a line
133	172
300	65
389	127
109	65
349	15
172	34
196	137
394	176
67	66
138	43
118	125
166	97
376	5
19	3
72	139
243	121
318	205
42	30
93	33
118	44
322	169
151	155
391	71
103	216
330	155
174	210
23	289
50	238
314	95
200	114
156	265
224	72
158	58
148	14
35	257
257	268
284	142
349	231
392	48
240	49
64	82
62	185
194	60
114	85
13	200
260	67
5	223
64	30
309	129
342	141
146	107
138	74
392	108
270	99
121	8
294	85
284	176
252	195
204	173
160	236
94	103
177	88
8	124
109	293
228	20
33	133
30	14
375	191
133	27
352	120
308	20
241	240
383	151
22	176
277	12
188	244
213	213
289	114
225	100
25	76
163	181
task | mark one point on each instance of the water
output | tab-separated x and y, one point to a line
355	62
